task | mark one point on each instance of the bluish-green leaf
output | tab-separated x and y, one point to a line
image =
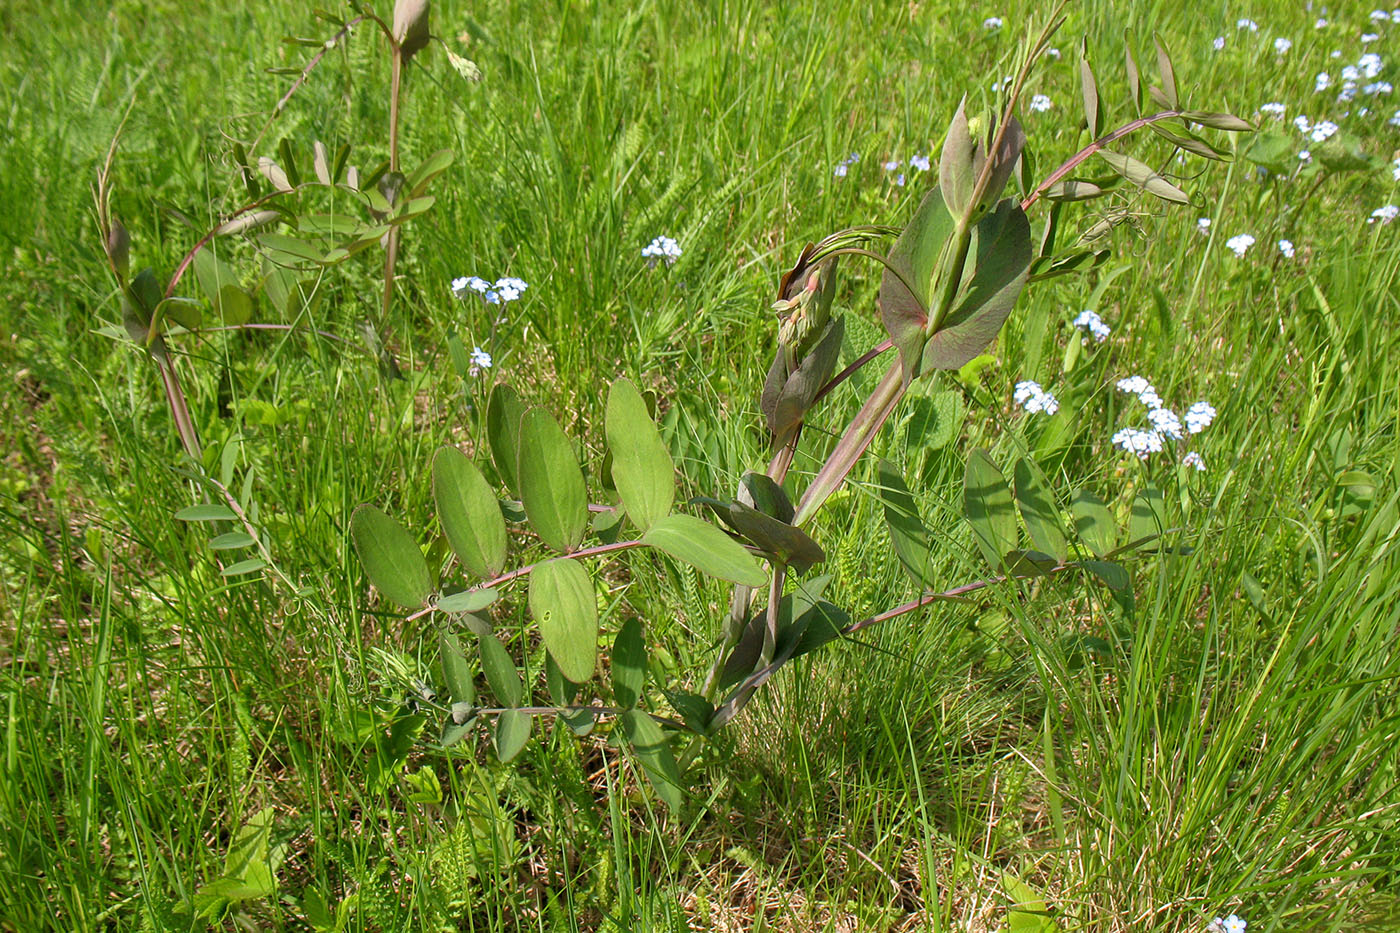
468	600
915	255
989	508
500	671
907	531
232	541
1039	512
250	565
957	175
503	412
391	558
470	515
455	670
512	732
564	606
641	465
1148	517
206	513
1093	522
1142	175
657	760
551	483
705	548
629	664
999	261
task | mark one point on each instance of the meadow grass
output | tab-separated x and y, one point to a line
1228	743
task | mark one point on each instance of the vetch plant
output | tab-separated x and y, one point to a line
953	275
302	215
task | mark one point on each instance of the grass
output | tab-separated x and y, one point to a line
1226	744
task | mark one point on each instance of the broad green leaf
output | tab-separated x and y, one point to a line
500	671
760	491
657	760
455	670
183	311
430	168
1148	516
916	255
1073	191
1220	121
206	513
785	543
232	541
231	303
1189	142
470	515
694	709
1113	574
250	565
1276	151
999	261
705	548
907	531
936	421
503	412
1039	512
1142	175
565	607
989	509
641	465
391	558
629	664
957	174
1093	522
1028	912
1134	80
512	732
468	600
551	483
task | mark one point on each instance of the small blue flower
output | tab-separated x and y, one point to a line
919	163
480	358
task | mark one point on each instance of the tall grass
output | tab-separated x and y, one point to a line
1228	743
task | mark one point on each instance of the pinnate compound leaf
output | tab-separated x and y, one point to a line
629	664
500	671
455	670
512	732
503	413
1093	522
1039	512
551	483
658	762
564	606
1142	175
391	558
706	548
989	509
469	512
641	465
1000	258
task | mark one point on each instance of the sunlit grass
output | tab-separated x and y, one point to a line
1228	745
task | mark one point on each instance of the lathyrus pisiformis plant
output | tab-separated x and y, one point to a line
949	282
302	219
